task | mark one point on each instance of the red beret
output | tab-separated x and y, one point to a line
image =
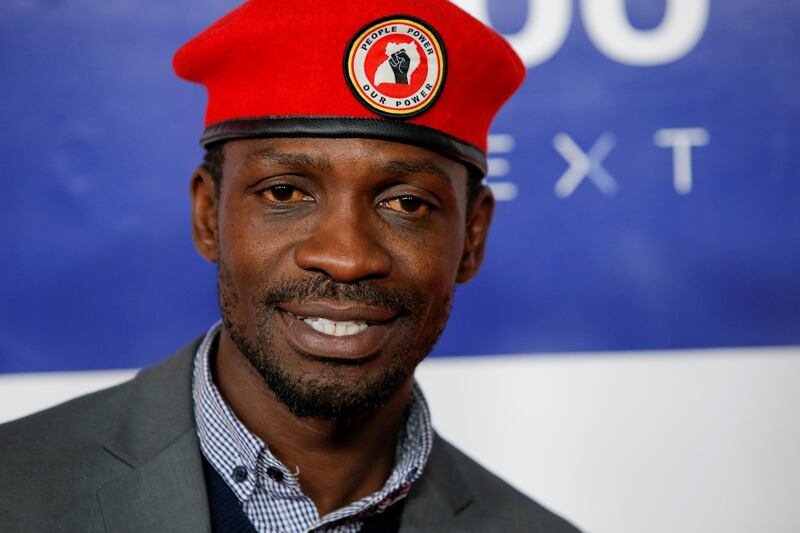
421	72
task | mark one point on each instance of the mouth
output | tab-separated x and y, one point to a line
336	328
347	334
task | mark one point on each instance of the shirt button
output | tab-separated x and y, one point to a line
275	474
239	474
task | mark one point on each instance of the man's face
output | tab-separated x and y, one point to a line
337	261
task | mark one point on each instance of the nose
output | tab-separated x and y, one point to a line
343	245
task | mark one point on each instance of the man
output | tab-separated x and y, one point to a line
341	206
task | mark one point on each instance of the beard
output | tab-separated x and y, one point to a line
336	392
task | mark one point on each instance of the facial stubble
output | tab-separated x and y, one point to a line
335	391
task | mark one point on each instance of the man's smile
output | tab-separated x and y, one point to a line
335	327
323	330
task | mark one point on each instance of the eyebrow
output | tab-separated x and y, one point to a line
290	159
402	168
322	164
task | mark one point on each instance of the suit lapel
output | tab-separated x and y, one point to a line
438	496
154	434
166	493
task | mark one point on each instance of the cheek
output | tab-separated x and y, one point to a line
252	247
253	258
431	266
433	260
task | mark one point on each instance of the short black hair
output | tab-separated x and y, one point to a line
214	160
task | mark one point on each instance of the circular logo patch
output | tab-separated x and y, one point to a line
396	66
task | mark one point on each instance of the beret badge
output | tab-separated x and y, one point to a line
396	66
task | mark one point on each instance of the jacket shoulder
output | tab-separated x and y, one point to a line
75	423
88	418
53	462
82	420
494	505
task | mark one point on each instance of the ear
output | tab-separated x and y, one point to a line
203	191
479	218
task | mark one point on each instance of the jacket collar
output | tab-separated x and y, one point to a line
439	496
156	411
154	434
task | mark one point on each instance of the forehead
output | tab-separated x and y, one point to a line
335	155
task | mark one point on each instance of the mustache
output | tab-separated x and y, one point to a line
320	287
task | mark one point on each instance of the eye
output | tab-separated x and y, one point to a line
408	204
285	194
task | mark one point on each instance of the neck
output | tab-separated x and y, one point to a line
339	462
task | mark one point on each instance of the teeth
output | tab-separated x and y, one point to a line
332	327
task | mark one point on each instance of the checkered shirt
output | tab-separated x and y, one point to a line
277	503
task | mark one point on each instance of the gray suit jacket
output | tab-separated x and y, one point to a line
127	459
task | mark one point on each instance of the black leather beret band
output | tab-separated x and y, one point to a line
333	127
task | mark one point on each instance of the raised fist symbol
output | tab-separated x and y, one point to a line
400	63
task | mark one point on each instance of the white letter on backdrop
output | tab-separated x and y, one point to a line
682	140
607	24
545	30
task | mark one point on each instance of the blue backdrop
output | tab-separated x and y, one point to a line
648	174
